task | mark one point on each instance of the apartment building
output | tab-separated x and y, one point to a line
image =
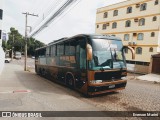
137	23
2	55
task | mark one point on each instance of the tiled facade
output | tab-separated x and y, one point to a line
137	23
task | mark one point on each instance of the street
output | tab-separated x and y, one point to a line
27	91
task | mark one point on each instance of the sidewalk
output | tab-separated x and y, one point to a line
150	77
24	91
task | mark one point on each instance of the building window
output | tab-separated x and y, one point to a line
143	6
140	36
134	34
141	22
152	34
104	26
1	14
114	25
105	15
115	12
156	2
129	10
126	36
154	18
138	50
151	49
128	23
97	26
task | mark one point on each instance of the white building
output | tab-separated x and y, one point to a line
2	55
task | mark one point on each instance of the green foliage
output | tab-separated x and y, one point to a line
17	41
32	45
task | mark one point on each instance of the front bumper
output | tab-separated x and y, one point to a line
100	88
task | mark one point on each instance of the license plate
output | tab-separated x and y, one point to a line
112	86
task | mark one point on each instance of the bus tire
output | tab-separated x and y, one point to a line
70	81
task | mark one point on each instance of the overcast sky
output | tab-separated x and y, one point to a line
80	19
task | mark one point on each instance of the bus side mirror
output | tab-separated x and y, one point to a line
131	49
89	52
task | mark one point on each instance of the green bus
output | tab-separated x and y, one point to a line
91	64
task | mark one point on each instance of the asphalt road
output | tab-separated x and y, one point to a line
49	96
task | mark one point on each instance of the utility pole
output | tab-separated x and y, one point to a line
25	60
12	47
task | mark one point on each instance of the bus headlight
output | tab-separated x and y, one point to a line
96	81
123	78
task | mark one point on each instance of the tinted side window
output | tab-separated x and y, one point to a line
82	54
73	48
41	52
53	50
60	49
67	48
47	51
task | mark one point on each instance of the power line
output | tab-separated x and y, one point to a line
54	16
47	12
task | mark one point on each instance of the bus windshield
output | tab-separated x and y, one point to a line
107	54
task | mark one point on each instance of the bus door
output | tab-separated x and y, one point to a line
81	64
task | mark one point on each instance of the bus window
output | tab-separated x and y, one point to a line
36	54
47	51
73	53
41	53
60	49
53	50
67	48
72	48
50	50
82	54
78	55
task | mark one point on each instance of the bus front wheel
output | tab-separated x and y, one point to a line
70	81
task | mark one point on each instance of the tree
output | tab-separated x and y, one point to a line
17	41
32	45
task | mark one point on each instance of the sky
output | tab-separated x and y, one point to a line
78	20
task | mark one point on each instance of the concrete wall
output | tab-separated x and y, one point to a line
138	68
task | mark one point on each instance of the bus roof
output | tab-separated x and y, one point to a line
92	36
41	47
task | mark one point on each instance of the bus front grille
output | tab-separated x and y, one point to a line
108	76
